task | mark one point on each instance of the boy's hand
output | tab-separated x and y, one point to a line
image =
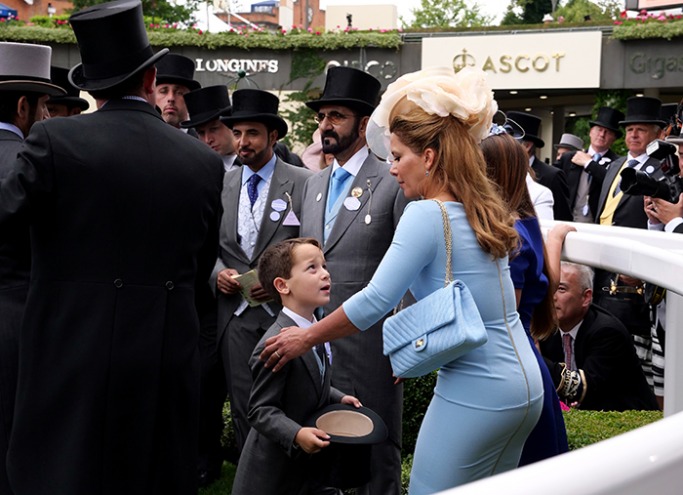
311	440
351	401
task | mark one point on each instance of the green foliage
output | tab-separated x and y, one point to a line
576	10
447	14
160	10
534	10
667	27
56	21
588	427
242	40
417	393
308	65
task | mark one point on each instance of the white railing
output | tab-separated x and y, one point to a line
643	461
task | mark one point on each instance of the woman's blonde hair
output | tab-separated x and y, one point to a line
459	169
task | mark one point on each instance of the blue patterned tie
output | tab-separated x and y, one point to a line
338	180
252	188
631	163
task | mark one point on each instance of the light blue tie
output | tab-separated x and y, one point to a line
631	163
339	178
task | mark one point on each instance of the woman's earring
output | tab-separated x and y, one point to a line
426	172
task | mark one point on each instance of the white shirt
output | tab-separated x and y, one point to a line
542	199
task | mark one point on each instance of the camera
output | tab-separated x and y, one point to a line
668	187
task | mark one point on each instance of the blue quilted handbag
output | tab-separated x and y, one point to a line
437	329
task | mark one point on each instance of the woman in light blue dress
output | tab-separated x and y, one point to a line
485	403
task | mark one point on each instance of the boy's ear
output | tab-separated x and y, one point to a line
281	286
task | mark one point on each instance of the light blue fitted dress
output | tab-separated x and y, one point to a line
485	403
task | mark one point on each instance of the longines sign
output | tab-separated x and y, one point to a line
235	65
522	61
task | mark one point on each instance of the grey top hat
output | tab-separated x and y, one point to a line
60	76
643	110
177	69
113	44
206	104
26	67
570	141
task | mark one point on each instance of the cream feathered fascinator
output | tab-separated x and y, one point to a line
438	91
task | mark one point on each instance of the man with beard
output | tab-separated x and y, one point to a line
174	80
353	207
24	90
262	206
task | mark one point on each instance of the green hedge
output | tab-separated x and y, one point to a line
56	30
248	40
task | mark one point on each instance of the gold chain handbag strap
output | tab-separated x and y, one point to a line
448	237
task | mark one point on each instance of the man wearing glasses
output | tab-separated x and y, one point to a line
353	207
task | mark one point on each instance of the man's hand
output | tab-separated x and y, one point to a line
581	158
662	210
290	343
650	210
226	283
311	440
259	294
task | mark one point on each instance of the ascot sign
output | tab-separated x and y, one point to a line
522	61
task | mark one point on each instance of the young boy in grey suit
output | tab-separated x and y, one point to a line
273	460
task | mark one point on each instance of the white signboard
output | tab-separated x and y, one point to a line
522	61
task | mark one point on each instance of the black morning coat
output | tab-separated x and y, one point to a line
124	213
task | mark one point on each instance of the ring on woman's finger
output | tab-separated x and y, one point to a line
277	354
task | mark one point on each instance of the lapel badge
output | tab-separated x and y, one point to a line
356	192
279	205
351	203
319	197
274	216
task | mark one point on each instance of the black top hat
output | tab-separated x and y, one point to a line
345	463
643	110
177	69
608	118
60	77
256	105
113	44
531	125
668	112
351	88
206	104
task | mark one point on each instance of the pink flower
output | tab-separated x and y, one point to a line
618	23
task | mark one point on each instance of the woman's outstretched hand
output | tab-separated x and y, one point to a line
290	343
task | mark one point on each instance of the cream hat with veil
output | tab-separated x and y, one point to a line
466	96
